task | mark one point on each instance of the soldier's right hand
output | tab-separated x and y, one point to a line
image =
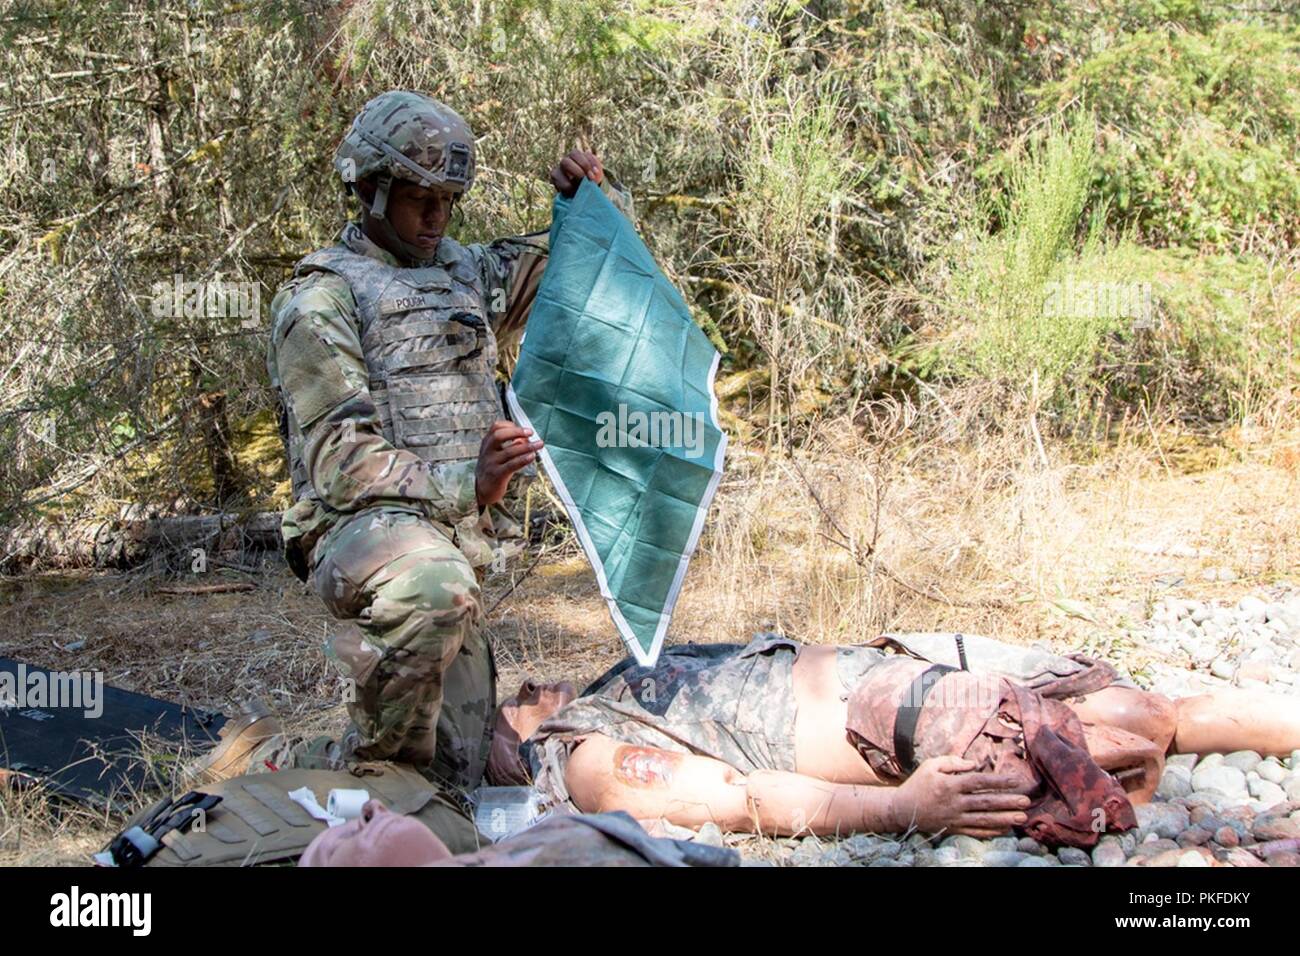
505	449
947	794
567	175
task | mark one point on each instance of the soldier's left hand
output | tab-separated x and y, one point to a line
505	449
570	171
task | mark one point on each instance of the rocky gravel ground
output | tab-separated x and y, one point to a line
1236	809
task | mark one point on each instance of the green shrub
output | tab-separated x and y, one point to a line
1050	309
1018	316
1199	133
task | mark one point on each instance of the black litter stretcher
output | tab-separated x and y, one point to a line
90	755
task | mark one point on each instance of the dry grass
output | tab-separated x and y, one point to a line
931	535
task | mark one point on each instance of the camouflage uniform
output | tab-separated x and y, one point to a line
385	372
730	702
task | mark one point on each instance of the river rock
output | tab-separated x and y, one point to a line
1165	858
1279	613
1175	782
967	847
1211	802
807	853
862	846
1073	856
1270	827
1246	761
1266	851
946	856
1166	820
1107	853
1222	668
1154	848
1186	761
1239	818
1251	609
1239	857
1031	846
1226	837
1268	794
1194	836
1226	780
1203	816
1272	771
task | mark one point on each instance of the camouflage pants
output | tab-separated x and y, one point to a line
423	677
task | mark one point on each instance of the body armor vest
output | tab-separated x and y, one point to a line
255	823
429	348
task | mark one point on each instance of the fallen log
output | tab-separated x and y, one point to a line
133	539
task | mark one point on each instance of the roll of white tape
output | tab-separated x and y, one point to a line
347	803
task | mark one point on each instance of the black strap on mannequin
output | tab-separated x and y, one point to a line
909	713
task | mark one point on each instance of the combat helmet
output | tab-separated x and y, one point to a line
406	135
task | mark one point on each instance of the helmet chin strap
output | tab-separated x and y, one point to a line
394	242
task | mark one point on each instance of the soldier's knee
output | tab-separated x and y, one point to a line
1164	718
1148	715
444	588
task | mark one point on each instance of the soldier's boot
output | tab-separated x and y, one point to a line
251	731
306	753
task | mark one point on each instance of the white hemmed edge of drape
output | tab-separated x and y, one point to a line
644	658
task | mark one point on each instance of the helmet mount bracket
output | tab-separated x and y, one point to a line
380	204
